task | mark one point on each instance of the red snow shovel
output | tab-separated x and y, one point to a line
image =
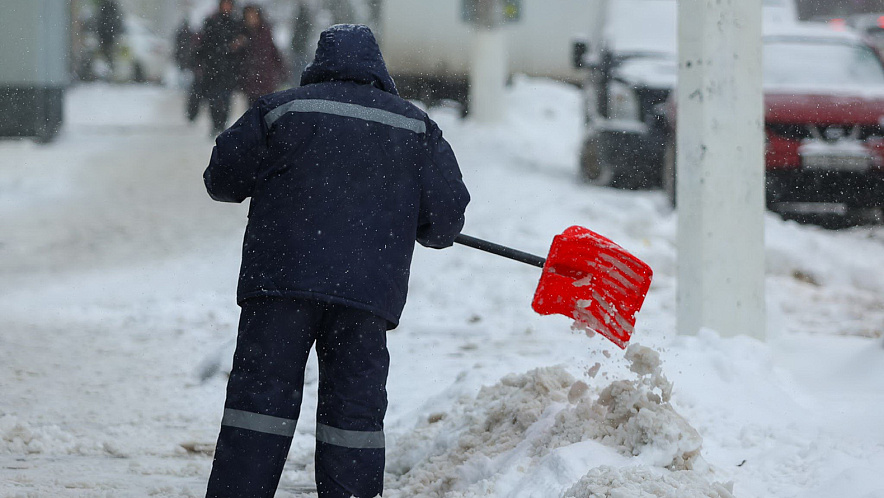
585	277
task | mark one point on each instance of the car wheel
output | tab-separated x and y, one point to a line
592	169
669	171
45	134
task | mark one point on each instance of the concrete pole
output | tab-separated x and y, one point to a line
720	164
489	67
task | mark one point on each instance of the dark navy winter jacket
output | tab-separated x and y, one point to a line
344	176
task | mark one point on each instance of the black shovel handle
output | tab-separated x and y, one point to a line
506	252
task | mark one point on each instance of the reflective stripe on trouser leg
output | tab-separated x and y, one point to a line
259	423
353	366
250	455
247	464
263	396
349	439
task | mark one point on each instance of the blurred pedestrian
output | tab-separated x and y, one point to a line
302	30
109	27
262	67
185	46
218	59
344	176
187	42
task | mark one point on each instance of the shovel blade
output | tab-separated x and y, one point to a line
594	281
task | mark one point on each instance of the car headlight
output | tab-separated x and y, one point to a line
622	102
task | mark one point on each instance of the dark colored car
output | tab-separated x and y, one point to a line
631	71
824	123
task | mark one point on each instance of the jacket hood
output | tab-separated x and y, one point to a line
349	52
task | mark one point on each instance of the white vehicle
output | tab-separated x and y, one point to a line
427	44
777	12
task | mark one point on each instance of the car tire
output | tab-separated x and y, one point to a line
593	170
45	134
669	180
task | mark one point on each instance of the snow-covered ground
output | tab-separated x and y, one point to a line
117	280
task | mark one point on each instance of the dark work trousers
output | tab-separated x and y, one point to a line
264	399
194	96
219	107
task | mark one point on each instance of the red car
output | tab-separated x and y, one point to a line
824	121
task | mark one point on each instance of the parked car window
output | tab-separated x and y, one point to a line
828	63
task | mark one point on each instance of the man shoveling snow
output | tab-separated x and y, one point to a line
343	177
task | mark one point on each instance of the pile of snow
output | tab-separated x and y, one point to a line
532	420
20	437
643	482
634	417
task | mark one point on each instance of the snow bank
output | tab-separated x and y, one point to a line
640	482
19	437
522	419
633	416
453	451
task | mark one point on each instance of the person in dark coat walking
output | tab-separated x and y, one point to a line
262	67
196	93
109	27
185	42
218	58
302	26
344	176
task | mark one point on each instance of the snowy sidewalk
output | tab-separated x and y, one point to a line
117	281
